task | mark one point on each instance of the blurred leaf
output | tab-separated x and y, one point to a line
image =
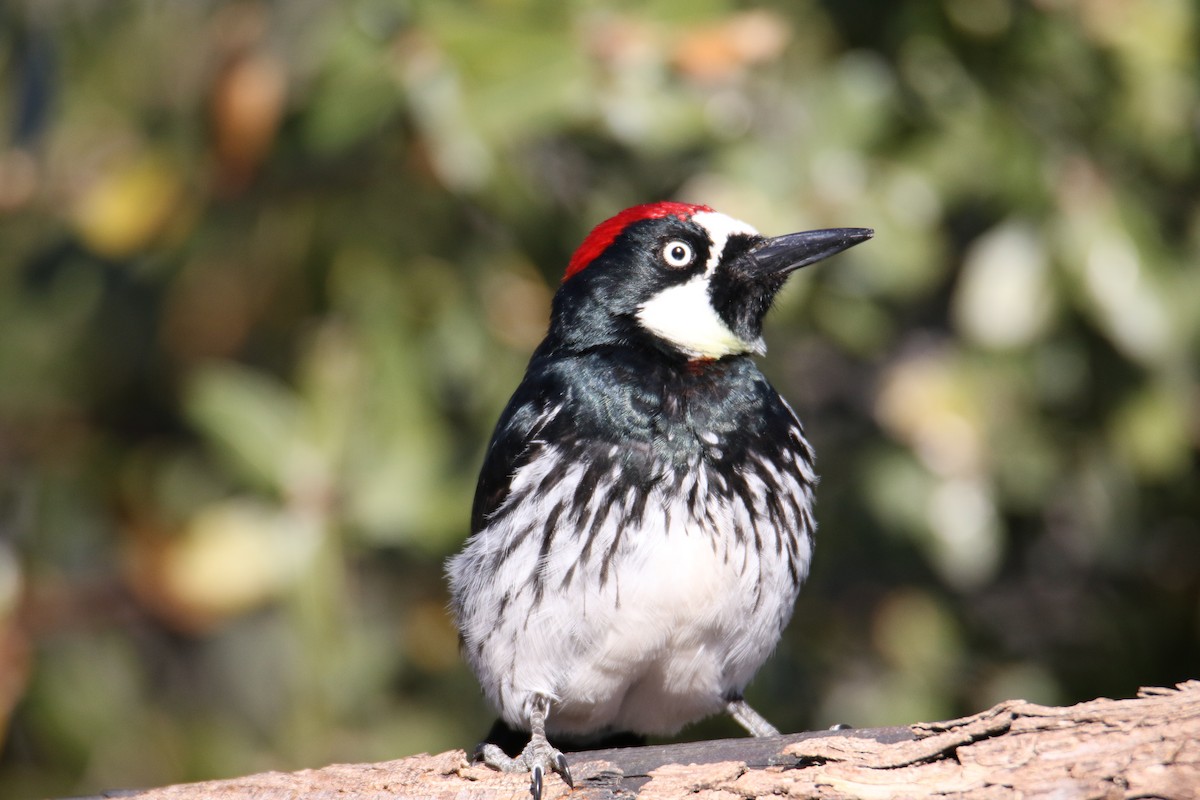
934	405
720	51
1154	431
129	206
252	417
916	635
1004	297
230	558
354	95
246	107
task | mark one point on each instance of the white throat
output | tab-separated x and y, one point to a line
684	315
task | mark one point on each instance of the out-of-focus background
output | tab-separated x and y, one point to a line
269	271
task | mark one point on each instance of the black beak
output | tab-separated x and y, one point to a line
742	293
784	254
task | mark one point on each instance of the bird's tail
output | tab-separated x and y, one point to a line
513	741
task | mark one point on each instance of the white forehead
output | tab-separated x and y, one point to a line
720	227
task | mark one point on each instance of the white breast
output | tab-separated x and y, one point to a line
685	614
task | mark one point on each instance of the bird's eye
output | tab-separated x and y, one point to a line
678	254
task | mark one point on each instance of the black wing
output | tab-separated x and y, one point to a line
516	439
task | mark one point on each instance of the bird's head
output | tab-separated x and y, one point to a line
681	278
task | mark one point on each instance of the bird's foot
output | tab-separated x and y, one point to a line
748	718
538	758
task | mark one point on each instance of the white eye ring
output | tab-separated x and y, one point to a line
678	253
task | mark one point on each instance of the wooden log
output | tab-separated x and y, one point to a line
1148	746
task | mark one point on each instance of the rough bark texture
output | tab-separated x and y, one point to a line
1144	747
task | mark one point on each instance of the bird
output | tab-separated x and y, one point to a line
643	519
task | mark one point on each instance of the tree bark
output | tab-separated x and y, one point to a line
1148	746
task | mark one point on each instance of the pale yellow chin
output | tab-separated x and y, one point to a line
683	316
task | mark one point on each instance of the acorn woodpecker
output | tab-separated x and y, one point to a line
644	516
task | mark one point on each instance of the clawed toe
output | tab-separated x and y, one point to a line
538	757
560	766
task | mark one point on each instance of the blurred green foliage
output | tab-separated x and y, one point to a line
269	271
